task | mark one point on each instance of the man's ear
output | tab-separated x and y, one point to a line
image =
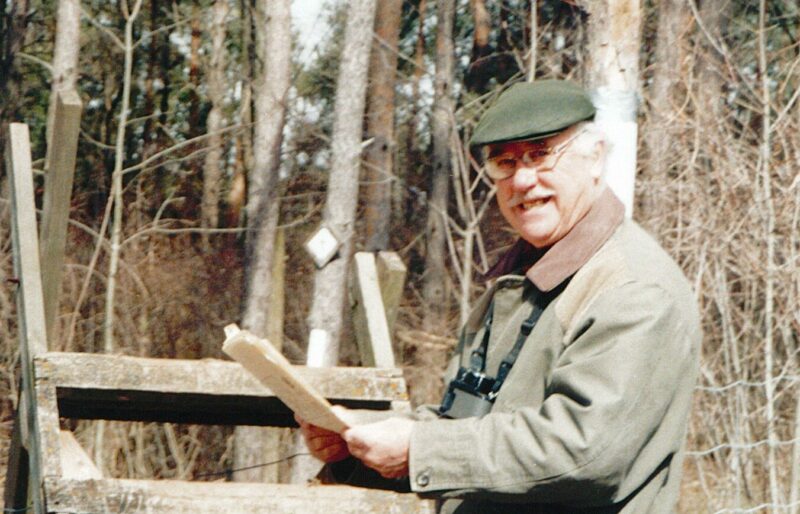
599	156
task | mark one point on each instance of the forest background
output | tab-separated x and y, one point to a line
205	138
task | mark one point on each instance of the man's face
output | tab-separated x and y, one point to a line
544	197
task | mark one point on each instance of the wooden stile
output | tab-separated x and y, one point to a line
392	278
369	316
56	203
49	471
30	306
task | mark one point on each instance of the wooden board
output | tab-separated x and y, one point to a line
179	497
392	278
369	316
75	462
30	306
209	391
56	203
270	367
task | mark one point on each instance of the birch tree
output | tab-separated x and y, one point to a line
614	36
327	308
434	289
270	94
379	156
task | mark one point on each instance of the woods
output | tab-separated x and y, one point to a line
211	130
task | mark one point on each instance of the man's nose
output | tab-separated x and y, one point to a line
525	177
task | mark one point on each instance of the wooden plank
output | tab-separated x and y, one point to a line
178	497
30	306
91	386
75	462
392	278
47	430
26	246
57	193
369	316
209	376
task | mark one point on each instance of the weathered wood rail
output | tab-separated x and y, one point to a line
209	391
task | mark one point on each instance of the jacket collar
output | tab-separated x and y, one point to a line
548	267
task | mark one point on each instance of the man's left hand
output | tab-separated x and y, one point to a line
383	446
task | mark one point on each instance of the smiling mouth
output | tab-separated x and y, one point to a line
531	204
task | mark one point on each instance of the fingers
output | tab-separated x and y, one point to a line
328	448
383	446
323	444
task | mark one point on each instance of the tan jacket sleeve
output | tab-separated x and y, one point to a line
614	412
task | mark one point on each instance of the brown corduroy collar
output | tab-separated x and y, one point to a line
548	267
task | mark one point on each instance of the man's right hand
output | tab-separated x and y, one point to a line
323	444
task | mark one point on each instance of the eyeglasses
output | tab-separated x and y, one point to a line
503	166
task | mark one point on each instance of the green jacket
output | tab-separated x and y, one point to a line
592	417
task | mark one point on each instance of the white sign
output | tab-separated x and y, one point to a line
322	246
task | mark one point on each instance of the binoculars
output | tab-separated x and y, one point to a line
468	395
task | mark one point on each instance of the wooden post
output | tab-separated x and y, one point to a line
369	316
392	278
30	306
57	192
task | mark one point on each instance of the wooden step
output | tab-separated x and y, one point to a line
179	497
208	391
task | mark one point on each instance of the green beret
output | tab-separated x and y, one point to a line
533	110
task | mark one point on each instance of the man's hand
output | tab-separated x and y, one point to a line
323	444
383	446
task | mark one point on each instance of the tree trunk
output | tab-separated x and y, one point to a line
65	54
254	445
148	136
12	35
478	73
244	140
378	160
434	289
194	68
614	36
330	282
413	176
109	323
216	94
534	40
672	23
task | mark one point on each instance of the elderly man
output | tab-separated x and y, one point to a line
571	385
